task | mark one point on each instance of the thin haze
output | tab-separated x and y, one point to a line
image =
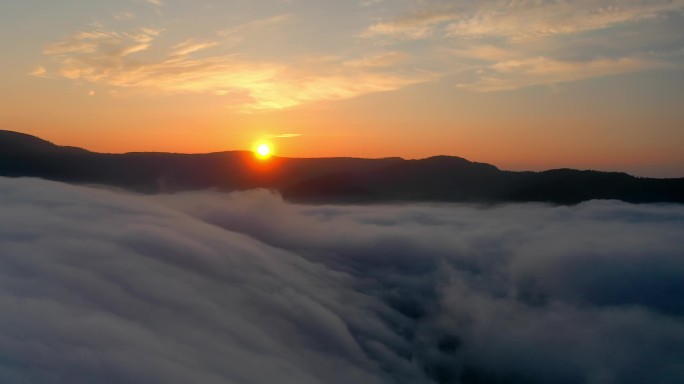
108	287
520	84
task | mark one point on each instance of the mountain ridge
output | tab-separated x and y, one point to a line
326	180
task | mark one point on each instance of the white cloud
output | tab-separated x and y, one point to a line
152	295
102	286
248	288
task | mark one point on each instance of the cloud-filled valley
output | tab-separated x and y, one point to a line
104	286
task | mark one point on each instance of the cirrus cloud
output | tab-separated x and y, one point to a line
514	74
506	45
519	20
107	57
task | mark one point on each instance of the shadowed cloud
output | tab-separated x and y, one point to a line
102	286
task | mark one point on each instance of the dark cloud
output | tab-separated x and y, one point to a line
107	287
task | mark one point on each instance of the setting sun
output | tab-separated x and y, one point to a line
263	151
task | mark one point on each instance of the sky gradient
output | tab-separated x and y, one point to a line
519	84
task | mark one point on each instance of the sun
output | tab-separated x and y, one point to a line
263	150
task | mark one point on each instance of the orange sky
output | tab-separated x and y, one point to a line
515	84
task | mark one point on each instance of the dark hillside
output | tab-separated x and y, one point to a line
439	178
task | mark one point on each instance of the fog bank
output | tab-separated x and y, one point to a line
109	287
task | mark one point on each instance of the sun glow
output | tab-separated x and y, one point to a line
263	150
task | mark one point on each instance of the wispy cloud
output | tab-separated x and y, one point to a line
414	27
485	52
125	15
514	74
515	44
284	136
264	22
191	46
102	42
519	19
526	19
237	34
38	72
103	56
385	59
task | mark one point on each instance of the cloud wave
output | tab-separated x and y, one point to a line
104	286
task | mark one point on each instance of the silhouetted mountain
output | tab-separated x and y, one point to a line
25	155
440	178
16	144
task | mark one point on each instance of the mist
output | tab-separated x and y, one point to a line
107	286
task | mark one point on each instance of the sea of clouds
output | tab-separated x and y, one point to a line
104	286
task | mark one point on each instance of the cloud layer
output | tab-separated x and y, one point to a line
103	286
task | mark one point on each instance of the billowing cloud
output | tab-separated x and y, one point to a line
152	295
103	286
106	57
